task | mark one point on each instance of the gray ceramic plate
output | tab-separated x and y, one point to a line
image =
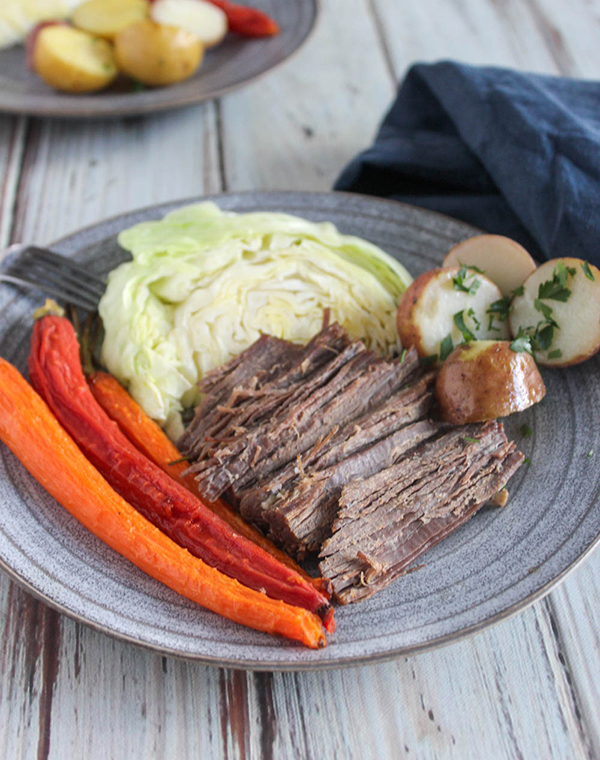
496	564
231	64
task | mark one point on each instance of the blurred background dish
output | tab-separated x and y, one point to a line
233	63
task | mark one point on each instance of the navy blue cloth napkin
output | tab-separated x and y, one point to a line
513	153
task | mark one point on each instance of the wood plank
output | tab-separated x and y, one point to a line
297	128
471	31
451	703
76	173
570	31
574	610
12	142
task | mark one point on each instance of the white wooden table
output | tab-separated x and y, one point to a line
528	688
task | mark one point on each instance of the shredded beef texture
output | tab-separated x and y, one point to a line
388	520
288	416
244	402
264	360
403	407
301	520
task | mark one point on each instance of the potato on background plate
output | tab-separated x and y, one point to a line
502	260
106	18
559	309
206	21
448	306
157	55
487	379
71	60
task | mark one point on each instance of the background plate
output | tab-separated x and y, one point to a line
493	566
231	64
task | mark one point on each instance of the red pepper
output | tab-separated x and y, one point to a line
248	22
56	373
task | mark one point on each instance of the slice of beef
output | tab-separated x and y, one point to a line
333	406
404	407
261	362
388	520
246	408
238	453
301	519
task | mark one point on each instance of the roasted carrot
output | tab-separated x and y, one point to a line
56	373
33	434
148	437
246	21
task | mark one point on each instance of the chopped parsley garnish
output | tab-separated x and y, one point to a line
556	354
498	310
402	355
587	271
521	343
526	431
527	460
461	284
459	321
591	453
471	314
446	347
518	291
544	336
428	361
471	440
555	289
544	308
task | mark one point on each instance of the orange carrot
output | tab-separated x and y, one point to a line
148	437
29	429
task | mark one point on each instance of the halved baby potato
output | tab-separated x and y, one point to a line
567	292
71	60
157	55
106	18
444	307
206	21
502	260
487	379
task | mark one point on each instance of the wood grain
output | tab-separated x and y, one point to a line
296	129
528	688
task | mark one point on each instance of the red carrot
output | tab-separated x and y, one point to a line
33	434
148	438
55	370
248	22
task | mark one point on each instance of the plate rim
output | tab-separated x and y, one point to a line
184	101
342	663
277	666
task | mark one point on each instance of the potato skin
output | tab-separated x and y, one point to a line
408	329
58	59
487	379
157	55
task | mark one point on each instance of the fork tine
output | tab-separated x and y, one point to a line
65	263
41	279
75	273
70	296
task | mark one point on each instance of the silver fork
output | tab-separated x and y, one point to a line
32	267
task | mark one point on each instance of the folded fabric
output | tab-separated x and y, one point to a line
513	153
